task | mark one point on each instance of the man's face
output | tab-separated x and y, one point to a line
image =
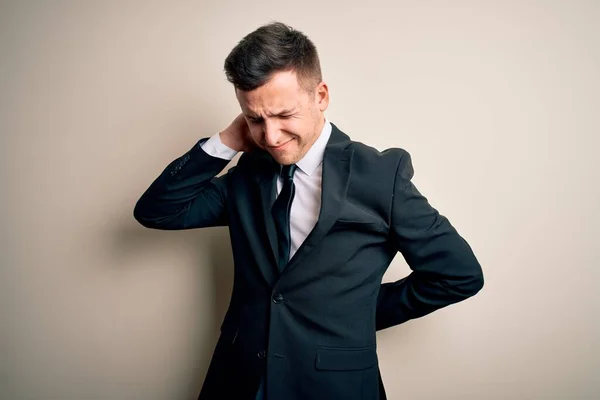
284	119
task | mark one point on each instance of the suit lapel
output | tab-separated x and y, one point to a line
268	193
266	178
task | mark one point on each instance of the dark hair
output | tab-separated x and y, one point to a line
274	47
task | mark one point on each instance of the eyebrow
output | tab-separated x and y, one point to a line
282	112
288	111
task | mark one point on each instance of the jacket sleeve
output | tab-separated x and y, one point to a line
444	268
187	194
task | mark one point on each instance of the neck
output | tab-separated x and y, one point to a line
319	128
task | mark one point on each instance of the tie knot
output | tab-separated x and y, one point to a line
287	172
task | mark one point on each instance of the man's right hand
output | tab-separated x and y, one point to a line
237	135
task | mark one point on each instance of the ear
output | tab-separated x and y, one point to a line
322	96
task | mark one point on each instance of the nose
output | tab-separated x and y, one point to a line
272	133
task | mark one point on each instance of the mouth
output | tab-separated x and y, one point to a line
281	146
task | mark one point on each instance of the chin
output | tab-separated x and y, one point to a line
286	159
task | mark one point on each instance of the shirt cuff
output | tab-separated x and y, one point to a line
214	147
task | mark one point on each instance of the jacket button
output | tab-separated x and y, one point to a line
261	354
277	298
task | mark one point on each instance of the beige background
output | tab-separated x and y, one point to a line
497	101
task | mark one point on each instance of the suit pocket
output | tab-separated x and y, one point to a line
346	358
354	217
358	226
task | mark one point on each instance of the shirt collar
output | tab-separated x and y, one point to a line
311	160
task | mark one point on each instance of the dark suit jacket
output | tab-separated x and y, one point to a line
311	329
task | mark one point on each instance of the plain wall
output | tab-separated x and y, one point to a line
497	102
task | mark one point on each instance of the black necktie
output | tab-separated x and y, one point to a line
281	213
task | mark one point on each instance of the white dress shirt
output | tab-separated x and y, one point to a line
306	204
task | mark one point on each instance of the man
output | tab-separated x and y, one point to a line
315	220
